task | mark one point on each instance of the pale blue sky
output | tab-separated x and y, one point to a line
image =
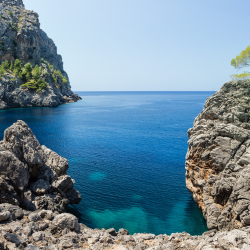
146	45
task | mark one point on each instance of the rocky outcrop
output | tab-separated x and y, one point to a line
33	176
218	158
21	38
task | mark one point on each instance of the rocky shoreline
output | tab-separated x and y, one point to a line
36	190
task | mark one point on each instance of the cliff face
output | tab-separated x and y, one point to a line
218	158
21	38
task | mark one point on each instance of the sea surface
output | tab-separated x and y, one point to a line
126	152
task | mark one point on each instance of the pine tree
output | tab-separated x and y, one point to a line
28	67
37	72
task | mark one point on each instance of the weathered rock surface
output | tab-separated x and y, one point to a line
31	175
218	158
43	229
22	38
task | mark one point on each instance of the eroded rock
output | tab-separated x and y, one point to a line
218	158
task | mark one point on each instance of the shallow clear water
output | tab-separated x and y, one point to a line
126	152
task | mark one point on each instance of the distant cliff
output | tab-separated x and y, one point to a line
21	38
218	158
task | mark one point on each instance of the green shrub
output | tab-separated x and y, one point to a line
11	66
18	65
2	71
58	74
5	65
3	17
38	85
15	42
28	67
37	72
23	76
13	79
64	80
1	48
13	27
10	13
41	84
2	42
18	68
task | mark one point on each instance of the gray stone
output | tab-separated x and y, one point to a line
34	217
37	236
66	220
5	215
12	238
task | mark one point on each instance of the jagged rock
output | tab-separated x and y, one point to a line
33	175
55	162
218	158
22	38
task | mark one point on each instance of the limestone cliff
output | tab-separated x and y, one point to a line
218	158
21	38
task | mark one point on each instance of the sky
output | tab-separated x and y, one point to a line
146	45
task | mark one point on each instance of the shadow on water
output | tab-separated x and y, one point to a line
196	220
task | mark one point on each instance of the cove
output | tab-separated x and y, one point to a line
126	152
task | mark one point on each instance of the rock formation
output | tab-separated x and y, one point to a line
33	176
218	158
21	38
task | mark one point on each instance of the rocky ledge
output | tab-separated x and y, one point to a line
21	38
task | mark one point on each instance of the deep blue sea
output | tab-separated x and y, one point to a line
126	152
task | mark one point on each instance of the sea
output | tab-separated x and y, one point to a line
126	153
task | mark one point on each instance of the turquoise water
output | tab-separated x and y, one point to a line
126	152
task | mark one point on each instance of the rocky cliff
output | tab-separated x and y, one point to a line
21	38
218	158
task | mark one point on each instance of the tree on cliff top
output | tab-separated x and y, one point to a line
241	61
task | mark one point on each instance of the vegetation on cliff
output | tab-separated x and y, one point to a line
32	77
241	61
